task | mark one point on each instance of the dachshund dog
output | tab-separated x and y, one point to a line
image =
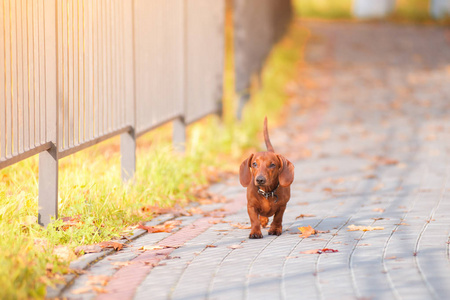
267	177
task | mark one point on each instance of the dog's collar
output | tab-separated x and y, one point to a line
269	194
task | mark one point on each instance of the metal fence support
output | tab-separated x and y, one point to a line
48	160
48	185
128	154
179	134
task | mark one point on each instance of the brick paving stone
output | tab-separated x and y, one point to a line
371	150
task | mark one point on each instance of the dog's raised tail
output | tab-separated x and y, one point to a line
266	137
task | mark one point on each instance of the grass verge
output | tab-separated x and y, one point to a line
95	205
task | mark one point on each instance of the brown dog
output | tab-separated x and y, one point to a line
267	177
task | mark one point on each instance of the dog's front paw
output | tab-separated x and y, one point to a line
255	235
275	231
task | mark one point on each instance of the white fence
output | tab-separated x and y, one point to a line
76	72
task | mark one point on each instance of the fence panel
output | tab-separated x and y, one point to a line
159	62
23	80
205	51
94	54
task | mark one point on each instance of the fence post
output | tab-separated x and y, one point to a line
179	134
128	154
128	139
48	160
48	185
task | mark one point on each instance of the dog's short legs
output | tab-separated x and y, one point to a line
264	221
276	227
255	232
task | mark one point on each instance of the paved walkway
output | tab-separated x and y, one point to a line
369	130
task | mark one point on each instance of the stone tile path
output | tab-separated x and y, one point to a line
369	131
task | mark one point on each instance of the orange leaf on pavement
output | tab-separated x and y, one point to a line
319	251
363	228
306	231
116	246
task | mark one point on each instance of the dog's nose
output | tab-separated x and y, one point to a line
260	180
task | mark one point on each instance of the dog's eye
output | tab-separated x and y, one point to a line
272	165
254	165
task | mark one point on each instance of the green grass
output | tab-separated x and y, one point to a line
413	11
324	9
91	190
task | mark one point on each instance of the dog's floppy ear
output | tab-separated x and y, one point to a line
286	175
245	176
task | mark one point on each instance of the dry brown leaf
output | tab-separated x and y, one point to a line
29	220
166	227
305	216
156	211
319	251
64	253
88	249
363	228
241	226
74	221
98	280
211	246
122	263
306	231
83	290
99	290
196	211
40	244
235	246
109	244
378	209
151	247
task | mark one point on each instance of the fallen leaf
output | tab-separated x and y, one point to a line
304	216
235	246
156	211
402	223
211	246
196	211
64	253
378	209
391	257
328	190
363	228
29	220
116	246
240	226
68	222
40	244
122	263
99	289
378	187
98	280
88	249
83	290
166	227
319	251
151	247
306	231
